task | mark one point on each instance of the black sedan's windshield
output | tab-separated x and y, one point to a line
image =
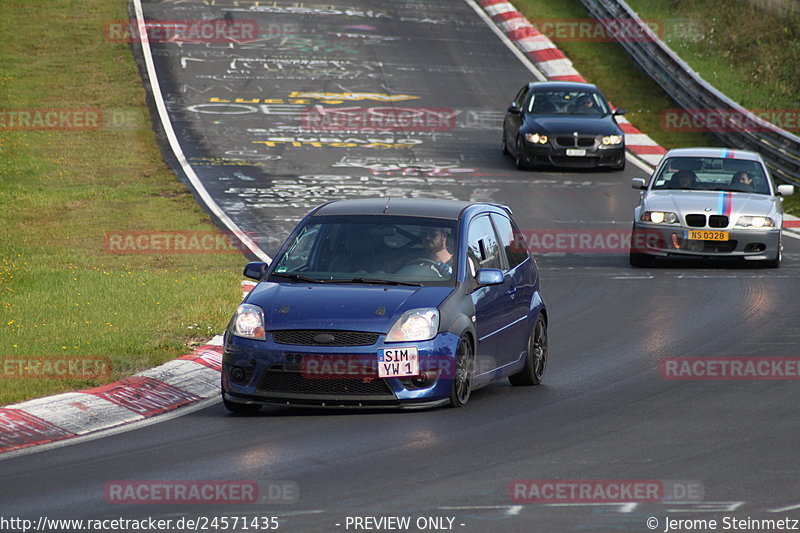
567	103
373	249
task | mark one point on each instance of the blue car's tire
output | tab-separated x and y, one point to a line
241	408
462	376
535	358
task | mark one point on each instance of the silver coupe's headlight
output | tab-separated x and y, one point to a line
612	139
248	322
755	222
659	217
416	325
536	138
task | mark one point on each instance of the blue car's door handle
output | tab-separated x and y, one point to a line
511	291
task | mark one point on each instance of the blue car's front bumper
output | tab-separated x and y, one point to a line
267	372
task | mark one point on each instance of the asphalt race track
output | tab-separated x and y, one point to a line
604	412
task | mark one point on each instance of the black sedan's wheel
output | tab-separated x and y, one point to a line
519	160
503	144
535	359
462	377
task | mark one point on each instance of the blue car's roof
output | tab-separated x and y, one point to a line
423	207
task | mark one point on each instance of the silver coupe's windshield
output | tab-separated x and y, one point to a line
370	249
712	173
567	103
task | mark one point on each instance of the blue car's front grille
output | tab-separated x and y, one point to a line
277	379
314	337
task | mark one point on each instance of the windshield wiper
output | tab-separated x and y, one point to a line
378	281
297	277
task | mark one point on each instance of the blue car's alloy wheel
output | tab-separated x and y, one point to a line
462	378
535	358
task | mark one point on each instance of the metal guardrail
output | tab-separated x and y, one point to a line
780	149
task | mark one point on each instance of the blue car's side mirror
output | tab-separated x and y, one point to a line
513	109
255	270
490	276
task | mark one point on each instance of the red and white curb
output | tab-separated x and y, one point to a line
791	226
557	67
178	383
174	384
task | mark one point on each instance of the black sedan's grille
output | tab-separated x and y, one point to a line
313	337
581	141
696	221
279	380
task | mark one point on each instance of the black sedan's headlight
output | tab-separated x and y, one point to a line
536	138
611	140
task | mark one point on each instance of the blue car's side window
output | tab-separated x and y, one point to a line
483	250
511	240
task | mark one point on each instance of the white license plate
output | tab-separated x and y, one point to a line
575	152
398	362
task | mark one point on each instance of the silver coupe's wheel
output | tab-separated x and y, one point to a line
776	262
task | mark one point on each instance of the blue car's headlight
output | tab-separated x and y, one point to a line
248	322
416	325
612	140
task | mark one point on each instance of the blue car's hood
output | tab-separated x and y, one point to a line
345	307
586	125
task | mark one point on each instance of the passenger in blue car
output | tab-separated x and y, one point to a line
435	241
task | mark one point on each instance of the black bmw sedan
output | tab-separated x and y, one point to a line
564	124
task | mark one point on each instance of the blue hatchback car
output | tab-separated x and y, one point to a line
388	302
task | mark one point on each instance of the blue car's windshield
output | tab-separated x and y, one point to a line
371	249
712	173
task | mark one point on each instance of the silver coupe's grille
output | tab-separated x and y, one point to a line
696	221
718	221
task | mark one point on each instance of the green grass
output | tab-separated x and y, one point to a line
749	54
61	293
625	85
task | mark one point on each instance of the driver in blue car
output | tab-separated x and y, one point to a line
435	241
